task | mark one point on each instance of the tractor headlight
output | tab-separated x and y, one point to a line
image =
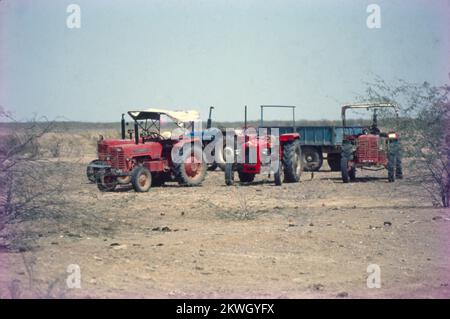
392	135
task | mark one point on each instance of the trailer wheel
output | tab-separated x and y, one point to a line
192	169
141	179
292	162
312	158
105	182
279	174
347	173
229	174
334	161
246	177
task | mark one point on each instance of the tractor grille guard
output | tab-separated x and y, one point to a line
367	149
118	159
102	150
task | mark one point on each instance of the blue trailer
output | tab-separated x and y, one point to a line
317	141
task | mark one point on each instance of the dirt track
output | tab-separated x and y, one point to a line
311	239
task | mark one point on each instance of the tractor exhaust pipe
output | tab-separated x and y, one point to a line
136	132
209	122
122	125
245	118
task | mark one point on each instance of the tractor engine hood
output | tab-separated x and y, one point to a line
150	149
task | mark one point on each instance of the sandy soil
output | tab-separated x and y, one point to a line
313	239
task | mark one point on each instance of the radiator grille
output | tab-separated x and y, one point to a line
117	159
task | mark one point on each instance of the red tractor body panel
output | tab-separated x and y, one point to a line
258	144
370	150
123	155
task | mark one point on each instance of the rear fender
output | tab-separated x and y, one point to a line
288	137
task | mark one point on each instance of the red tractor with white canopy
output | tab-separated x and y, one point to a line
148	156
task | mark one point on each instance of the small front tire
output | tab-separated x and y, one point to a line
229	174
141	179
279	174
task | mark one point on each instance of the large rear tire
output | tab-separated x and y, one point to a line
141	179
191	170
312	158
292	162
334	161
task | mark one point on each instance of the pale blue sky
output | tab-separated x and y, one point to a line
192	54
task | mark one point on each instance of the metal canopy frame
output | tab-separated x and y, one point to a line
367	106
278	106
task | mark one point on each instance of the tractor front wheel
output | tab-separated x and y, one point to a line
279	174
141	179
292	162
348	173
229	174
192	169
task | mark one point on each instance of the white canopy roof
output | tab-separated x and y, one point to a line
178	116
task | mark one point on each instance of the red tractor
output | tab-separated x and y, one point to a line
373	149
146	157
285	167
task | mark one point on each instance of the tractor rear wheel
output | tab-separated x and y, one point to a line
347	173
246	177
334	161
229	174
311	158
105	182
292	162
279	174
141	179
191	170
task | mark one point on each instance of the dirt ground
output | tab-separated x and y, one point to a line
313	239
